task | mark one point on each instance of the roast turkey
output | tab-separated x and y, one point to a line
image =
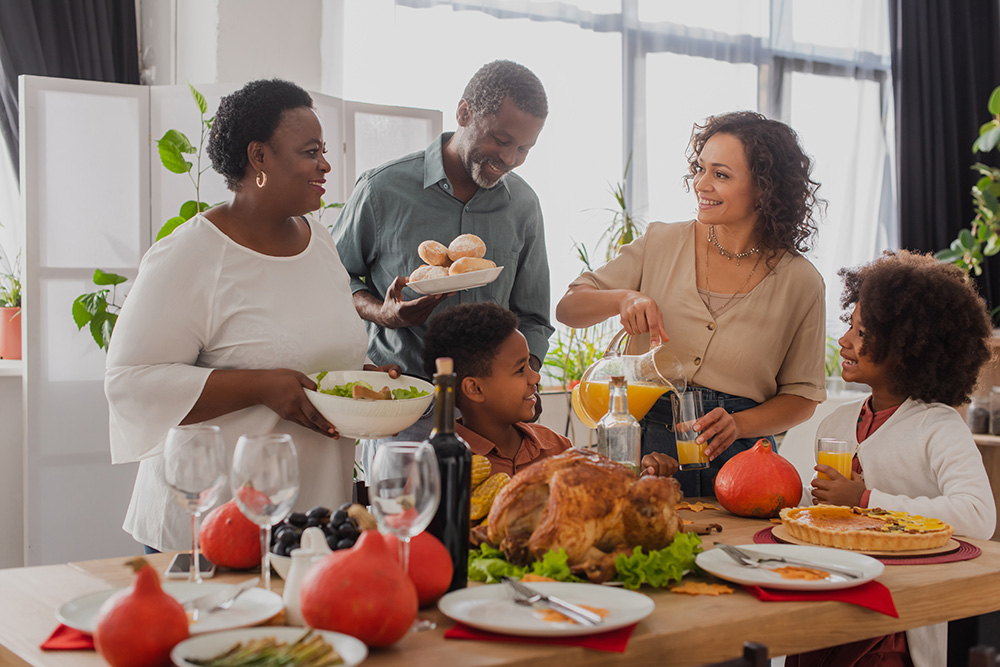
586	504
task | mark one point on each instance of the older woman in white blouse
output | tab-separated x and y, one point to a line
742	308
230	313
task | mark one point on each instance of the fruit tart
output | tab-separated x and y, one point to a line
864	529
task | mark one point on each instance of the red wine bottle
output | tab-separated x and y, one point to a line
451	522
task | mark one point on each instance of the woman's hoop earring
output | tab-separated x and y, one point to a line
261	179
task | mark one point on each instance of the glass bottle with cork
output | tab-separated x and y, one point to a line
618	430
451	522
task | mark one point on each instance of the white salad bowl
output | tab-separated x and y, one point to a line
360	418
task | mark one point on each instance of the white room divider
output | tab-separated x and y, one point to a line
94	195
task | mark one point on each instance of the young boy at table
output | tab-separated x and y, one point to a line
496	390
918	338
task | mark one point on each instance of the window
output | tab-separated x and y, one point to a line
627	79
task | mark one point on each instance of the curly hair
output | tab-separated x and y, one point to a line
471	334
780	171
500	79
927	318
252	113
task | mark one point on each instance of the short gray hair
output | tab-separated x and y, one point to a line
501	79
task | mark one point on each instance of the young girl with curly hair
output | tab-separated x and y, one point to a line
918	337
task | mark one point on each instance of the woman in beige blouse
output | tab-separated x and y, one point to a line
742	308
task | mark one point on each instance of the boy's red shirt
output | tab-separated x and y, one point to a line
868	422
538	442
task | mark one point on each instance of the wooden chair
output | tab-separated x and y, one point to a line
982	656
754	655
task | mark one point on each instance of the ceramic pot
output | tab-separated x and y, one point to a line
10	333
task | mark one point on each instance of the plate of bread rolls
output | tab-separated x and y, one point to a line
457	266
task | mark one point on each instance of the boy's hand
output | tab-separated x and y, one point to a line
838	490
658	464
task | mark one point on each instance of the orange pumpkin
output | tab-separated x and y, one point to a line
430	567
229	539
139	626
758	482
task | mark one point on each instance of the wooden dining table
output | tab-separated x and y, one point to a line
682	630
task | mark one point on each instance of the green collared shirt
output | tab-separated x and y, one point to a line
402	203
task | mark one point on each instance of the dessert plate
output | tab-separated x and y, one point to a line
456	283
717	562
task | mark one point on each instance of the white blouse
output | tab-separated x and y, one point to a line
201	301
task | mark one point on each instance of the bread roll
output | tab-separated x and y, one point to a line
468	264
434	253
426	272
466	245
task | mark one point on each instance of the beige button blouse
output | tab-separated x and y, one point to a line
771	342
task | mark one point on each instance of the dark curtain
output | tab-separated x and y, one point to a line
945	64
75	39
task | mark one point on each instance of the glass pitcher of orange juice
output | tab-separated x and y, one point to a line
648	375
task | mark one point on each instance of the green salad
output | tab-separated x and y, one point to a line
345	390
656	568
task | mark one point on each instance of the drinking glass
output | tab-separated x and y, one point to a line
838	454
687	408
265	483
194	467
405	491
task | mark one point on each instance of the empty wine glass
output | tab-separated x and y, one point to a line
194	467
405	491
265	483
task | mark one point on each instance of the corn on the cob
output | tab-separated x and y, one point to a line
481	468
483	495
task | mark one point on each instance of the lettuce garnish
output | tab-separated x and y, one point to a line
345	390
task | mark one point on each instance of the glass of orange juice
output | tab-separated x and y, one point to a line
835	453
687	410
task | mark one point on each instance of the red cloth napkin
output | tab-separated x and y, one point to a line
871	595
613	640
65	638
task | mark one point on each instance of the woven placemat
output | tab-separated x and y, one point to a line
965	551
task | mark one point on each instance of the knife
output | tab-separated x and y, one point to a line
758	557
529	596
222	598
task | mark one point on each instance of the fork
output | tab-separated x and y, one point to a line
529	597
755	560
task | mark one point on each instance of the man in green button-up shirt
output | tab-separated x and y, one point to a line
461	184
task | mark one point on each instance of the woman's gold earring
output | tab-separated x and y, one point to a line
261	179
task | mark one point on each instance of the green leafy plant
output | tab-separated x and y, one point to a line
832	357
96	310
10	281
982	239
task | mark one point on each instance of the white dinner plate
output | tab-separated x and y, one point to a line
352	650
492	608
717	562
252	607
456	283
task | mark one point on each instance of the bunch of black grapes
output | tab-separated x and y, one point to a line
340	530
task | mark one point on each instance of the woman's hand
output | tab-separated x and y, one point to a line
716	431
282	393
838	490
393	370
658	464
640	314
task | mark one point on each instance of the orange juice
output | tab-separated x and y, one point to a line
690	453
590	400
839	461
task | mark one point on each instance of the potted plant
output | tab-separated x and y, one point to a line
10	307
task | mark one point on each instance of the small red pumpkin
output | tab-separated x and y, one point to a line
361	591
229	539
430	566
139	626
758	482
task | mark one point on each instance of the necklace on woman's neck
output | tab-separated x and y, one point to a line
725	253
708	288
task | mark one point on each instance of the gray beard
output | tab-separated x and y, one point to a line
480	178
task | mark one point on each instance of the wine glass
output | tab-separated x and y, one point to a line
265	483
405	491
194	467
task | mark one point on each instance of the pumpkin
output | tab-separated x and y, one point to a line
430	567
139	626
229	539
361	591
758	482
